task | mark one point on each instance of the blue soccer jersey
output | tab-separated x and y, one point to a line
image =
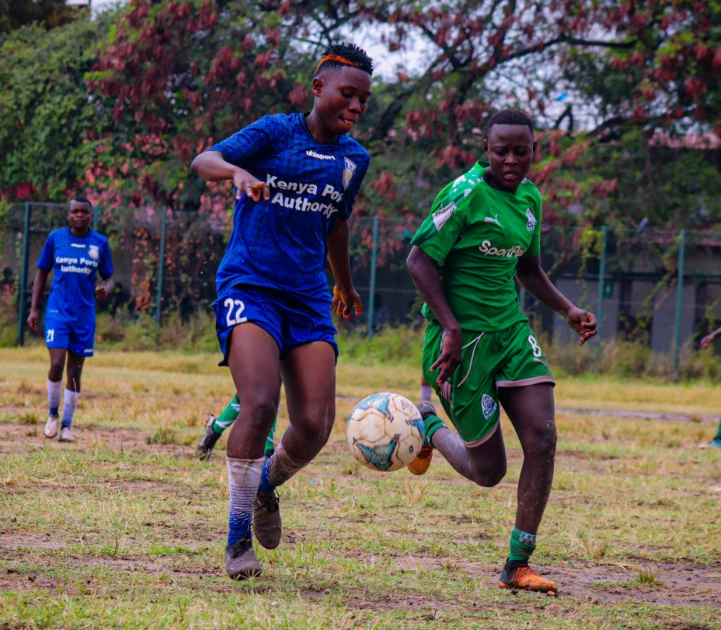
281	243
76	261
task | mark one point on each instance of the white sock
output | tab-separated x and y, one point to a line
54	392
71	403
426	392
243	480
282	466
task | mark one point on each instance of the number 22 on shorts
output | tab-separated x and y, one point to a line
234	319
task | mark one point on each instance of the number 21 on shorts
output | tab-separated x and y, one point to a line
50	336
233	315
537	352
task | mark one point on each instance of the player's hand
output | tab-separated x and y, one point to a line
583	322
101	291
706	341
346	301
450	358
33	321
251	186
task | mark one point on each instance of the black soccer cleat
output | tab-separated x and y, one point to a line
205	448
240	560
267	525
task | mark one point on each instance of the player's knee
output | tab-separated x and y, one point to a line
315	424
544	441
56	371
261	408
489	477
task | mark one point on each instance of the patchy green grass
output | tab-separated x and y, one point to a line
125	528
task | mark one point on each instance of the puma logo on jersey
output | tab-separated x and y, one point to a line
514	252
531	225
492	220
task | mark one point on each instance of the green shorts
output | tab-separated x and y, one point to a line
507	358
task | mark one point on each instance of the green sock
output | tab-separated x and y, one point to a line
432	423
718	433
269	441
228	417
522	545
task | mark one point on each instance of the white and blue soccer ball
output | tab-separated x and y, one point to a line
385	431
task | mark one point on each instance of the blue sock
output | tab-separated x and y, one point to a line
243	479
265	485
54	411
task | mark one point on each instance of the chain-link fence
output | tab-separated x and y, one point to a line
658	289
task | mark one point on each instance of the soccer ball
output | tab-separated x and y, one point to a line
385	431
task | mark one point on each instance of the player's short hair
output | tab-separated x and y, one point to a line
344	54
509	117
81	199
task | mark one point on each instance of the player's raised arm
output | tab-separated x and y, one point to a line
212	167
531	275
706	341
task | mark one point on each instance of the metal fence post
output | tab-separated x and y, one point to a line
679	303
601	282
161	266
372	286
24	276
522	299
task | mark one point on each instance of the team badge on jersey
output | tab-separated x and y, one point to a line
531	225
489	406
94	252
348	172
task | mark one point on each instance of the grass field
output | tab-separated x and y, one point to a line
125	529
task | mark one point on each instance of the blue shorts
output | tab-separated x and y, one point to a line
68	335
291	321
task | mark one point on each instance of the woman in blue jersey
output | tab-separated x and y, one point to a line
296	177
75	254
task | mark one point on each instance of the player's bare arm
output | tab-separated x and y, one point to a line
38	287
706	341
531	275
424	273
345	298
212	167
104	288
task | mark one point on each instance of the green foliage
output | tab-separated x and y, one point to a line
45	108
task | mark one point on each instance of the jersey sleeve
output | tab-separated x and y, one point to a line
439	232
47	255
106	262
257	139
534	249
352	191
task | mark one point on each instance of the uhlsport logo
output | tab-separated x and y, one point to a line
531	225
94	252
489	406
348	173
513	252
319	156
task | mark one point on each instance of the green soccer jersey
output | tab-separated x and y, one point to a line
477	233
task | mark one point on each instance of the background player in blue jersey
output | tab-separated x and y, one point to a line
296	178
76	255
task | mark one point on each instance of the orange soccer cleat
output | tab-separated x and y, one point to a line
422	462
524	578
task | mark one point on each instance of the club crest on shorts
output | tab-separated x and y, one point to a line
531	225
94	252
489	406
348	172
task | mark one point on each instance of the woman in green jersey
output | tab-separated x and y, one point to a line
479	351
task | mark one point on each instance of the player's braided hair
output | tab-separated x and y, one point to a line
81	199
509	117
344	54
